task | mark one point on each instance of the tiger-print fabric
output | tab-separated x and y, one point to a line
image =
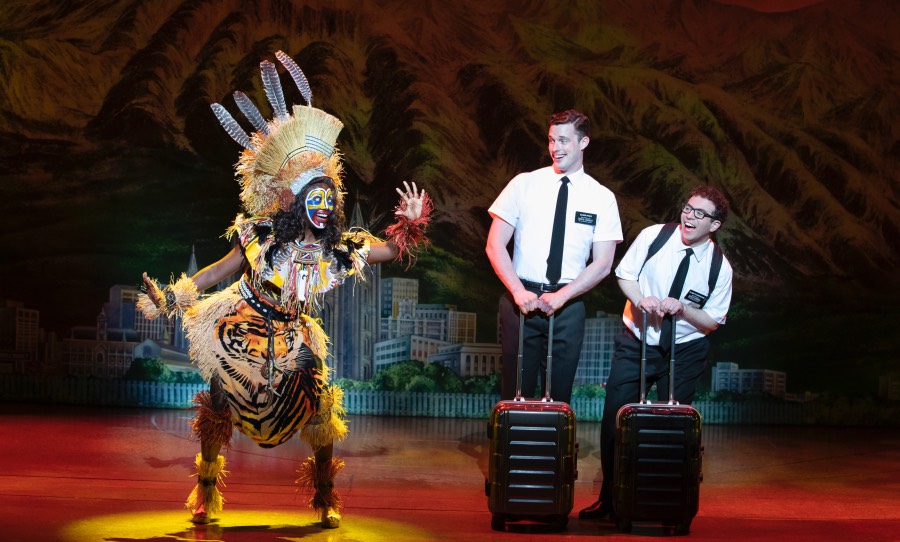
241	346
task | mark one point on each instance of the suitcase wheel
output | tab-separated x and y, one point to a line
683	529
498	522
623	524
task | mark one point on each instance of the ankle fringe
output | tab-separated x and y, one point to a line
205	494
317	481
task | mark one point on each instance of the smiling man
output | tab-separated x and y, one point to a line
647	276
558	218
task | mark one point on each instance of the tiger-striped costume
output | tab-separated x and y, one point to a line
270	357
257	342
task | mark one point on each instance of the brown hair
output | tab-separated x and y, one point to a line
715	197
580	121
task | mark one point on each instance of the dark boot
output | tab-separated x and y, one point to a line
598	510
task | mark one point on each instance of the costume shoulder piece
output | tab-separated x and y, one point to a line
255	237
300	272
353	250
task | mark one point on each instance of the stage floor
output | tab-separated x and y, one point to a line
111	474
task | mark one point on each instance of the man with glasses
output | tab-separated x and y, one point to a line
698	305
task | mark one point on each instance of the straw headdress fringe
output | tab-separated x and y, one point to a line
291	138
286	152
293	145
205	493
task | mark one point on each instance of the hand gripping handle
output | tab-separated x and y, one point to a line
519	359
643	399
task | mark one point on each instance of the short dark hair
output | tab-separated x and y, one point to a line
579	120
715	197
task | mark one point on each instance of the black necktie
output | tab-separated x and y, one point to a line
557	238
665	332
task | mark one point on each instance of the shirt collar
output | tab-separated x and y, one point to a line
573	176
701	251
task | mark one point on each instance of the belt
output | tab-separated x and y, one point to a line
260	305
542	287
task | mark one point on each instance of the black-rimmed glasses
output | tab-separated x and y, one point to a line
699	214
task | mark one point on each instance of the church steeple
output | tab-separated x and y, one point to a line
192	263
356	218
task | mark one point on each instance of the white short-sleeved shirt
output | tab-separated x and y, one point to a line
528	204
658	274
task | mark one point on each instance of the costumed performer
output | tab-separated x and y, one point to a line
257	342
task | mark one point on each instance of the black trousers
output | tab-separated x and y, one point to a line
624	383
568	336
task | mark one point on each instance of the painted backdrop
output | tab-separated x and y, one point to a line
112	162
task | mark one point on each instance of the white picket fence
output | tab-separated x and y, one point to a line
31	388
88	391
459	405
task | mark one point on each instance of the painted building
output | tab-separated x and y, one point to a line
470	359
405	348
727	376
350	317
393	291
20	337
597	350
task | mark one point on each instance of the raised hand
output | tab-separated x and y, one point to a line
411	198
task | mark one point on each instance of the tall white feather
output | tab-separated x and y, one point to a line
272	84
248	108
231	126
297	75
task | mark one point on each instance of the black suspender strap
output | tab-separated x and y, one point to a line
667	230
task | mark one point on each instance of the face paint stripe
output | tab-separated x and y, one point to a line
319	201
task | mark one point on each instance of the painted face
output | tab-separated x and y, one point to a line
319	205
696	230
566	148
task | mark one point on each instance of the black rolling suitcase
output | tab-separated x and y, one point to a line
533	455
658	458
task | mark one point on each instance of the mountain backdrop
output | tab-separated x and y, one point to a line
113	163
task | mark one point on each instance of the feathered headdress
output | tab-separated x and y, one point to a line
287	152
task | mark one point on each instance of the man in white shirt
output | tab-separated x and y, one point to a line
538	284
649	285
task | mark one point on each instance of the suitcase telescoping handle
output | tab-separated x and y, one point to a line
520	363
644	399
